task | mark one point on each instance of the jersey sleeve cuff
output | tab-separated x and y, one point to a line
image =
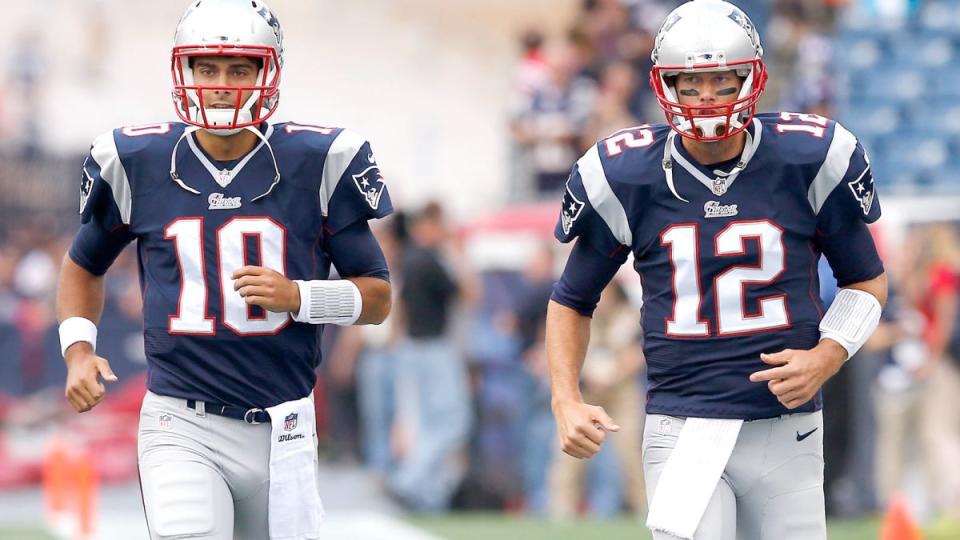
583	308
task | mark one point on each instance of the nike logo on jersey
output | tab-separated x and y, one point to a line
370	158
805	435
219	202
713	209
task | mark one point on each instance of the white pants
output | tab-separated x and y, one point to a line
772	487
203	476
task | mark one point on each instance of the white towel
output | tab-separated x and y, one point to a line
295	510
690	475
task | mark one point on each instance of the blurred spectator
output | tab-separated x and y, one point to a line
610	380
431	374
532	297
811	86
27	76
936	297
532	72
612	112
598	31
537	425
898	394
550	122
367	356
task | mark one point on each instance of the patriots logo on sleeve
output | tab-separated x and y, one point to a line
570	210
370	183
86	186
862	189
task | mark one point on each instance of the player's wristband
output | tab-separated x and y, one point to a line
851	319
74	329
329	302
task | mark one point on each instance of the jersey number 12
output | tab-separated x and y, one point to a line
729	286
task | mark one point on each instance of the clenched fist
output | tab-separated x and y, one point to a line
267	288
84	369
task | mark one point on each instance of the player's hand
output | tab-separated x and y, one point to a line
267	288
800	374
582	427
84	370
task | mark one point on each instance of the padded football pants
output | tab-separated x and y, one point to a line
772	487
203	476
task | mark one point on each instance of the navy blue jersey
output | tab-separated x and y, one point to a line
195	228
728	261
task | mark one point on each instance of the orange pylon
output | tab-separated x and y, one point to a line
85	475
55	472
70	488
898	524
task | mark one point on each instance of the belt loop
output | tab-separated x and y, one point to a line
201	408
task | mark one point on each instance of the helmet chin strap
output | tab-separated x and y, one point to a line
749	149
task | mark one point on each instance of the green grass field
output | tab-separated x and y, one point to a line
500	527
505	527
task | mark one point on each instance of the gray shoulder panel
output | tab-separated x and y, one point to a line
834	167
104	152
342	151
602	198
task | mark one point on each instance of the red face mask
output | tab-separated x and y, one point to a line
188	96
683	118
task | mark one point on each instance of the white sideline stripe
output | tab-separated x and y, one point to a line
342	526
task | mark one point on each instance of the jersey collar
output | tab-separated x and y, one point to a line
224	175
722	181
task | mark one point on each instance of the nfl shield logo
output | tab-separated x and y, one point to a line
290	422
719	186
164	420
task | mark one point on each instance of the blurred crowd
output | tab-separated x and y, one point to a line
576	88
447	403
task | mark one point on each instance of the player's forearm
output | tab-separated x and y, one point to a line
79	293
876	286
838	345
567	337
376	294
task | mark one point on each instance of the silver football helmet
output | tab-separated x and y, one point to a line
704	36
246	28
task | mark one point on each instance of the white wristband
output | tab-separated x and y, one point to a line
851	319
74	329
329	302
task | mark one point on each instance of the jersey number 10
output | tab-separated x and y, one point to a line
187	236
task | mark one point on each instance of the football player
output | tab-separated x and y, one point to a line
726	213
237	223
